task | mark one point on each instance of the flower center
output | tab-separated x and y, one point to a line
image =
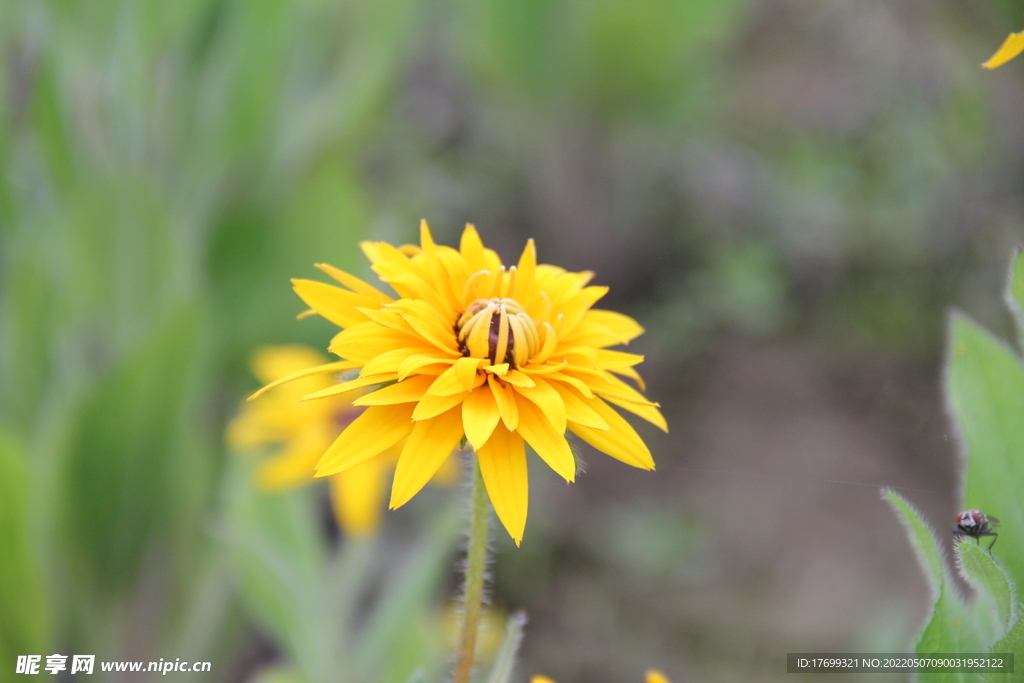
499	329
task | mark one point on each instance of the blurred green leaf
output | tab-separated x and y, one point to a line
279	564
985	386
1015	293
1013	642
125	468
505	660
23	606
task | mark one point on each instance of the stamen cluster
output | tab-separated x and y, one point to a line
498	329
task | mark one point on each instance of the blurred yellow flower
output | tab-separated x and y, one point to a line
305	430
1011	47
500	356
652	676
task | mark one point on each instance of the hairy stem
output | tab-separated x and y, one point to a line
476	563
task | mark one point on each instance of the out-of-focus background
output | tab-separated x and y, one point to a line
787	194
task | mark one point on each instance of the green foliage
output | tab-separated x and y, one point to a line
319	606
985	389
23	605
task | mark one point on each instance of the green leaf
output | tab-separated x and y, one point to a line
277	560
23	609
996	593
922	540
505	660
391	629
1012	642
1015	293
950	627
985	386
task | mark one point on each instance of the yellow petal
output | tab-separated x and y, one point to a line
550	402
545	369
527	268
432	406
577	410
503	467
608	385
334	303
356	497
365	341
505	399
294	465
270	363
542	437
472	249
614	360
649	413
1011	47
576	383
633	375
621	441
338	366
459	378
351	385
518	378
442	338
479	416
391	361
378	428
408	391
429	444
435	265
354	283
655	676
449	473
541	679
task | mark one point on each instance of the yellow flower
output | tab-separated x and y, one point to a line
304	431
653	676
500	356
1011	47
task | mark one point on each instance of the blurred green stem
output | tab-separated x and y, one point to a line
476	562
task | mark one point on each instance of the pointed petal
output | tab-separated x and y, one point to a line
479	416
518	378
391	361
377	429
472	249
550	402
621	441
408	391
351	385
526	268
505	399
432	406
577	410
354	283
328	367
459	378
429	444
1011	47
356	497
503	467
465	370
334	303
542	437
649	413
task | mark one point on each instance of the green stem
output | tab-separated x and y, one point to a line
476	562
